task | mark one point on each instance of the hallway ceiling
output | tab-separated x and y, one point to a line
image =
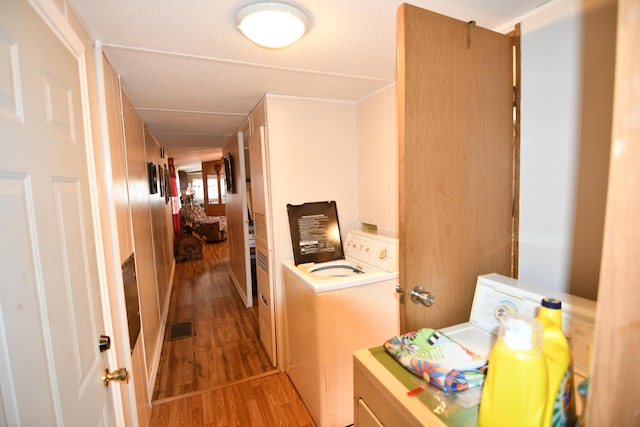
194	78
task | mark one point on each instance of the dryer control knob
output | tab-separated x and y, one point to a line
383	254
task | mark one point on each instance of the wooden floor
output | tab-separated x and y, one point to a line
226	347
221	376
269	401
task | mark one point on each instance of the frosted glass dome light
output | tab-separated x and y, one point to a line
272	25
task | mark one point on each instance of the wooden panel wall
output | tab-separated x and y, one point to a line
144	227
118	199
152	238
161	226
142	235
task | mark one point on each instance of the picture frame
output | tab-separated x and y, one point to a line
153	178
228	172
161	180
167	184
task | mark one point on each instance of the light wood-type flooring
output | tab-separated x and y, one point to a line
264	402
222	375
226	347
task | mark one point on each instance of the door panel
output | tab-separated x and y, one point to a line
265	310
237	222
264	240
258	186
456	141
50	302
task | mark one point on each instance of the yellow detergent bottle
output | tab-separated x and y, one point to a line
561	403
515	389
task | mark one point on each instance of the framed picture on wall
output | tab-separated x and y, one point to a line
228	172
167	185
161	180
153	178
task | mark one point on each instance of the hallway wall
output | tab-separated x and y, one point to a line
152	243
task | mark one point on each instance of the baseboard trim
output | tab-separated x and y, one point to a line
160	339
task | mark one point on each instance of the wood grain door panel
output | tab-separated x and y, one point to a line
456	148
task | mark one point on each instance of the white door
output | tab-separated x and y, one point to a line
242	189
51	314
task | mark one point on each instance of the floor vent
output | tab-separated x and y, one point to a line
181	330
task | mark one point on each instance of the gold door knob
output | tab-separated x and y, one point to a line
119	375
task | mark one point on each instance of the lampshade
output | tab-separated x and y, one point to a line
272	25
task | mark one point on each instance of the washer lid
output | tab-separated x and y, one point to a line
315	232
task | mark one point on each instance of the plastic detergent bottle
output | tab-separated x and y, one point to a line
515	389
561	399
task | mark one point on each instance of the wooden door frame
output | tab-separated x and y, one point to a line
111	251
614	391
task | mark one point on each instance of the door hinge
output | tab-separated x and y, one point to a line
400	291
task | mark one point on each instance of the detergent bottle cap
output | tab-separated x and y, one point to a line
521	332
552	303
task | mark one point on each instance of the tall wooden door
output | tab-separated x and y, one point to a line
455	111
51	313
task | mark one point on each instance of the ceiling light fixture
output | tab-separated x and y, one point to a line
272	25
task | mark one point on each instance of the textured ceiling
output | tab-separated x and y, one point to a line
194	78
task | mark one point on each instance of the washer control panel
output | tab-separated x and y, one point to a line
373	249
495	303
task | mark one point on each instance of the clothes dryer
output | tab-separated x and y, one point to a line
381	386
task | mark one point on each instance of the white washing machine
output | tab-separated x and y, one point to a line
331	309
381	386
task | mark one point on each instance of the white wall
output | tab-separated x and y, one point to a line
312	157
551	61
568	57
378	161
